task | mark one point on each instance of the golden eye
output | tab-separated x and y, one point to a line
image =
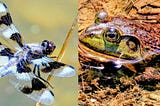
112	35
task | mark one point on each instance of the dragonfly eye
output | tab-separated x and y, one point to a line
48	47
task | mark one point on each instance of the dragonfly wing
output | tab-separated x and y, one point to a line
32	87
8	30
59	69
5	54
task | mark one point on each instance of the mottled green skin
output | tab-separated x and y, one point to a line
94	38
96	42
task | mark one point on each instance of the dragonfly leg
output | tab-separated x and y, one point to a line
39	75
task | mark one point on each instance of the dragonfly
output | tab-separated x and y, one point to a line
23	63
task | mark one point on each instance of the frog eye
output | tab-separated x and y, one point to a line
112	35
133	43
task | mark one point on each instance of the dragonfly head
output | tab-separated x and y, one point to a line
48	47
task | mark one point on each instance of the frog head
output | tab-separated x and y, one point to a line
111	41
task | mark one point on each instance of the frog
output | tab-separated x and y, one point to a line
124	43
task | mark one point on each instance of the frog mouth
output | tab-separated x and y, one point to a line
101	57
89	53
